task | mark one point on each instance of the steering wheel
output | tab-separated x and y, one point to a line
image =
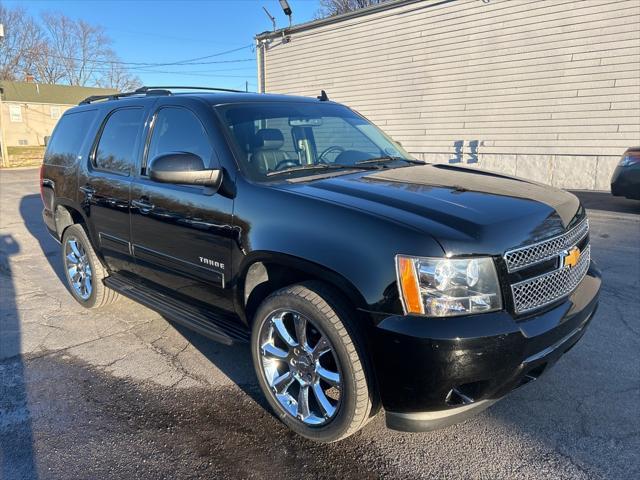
286	163
332	148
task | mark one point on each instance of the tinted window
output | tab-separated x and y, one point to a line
118	141
179	130
65	144
336	131
271	137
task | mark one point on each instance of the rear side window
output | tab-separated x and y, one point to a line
179	130
119	141
64	146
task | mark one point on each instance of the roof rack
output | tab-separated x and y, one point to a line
215	89
148	91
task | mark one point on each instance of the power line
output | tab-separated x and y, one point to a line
191	61
160	35
187	62
135	70
198	74
247	68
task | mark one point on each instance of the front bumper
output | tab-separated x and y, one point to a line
435	372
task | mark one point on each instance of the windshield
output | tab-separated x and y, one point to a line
300	139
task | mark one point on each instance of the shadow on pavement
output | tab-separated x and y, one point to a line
17	457
606	202
234	362
31	213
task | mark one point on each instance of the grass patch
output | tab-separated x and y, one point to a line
28	156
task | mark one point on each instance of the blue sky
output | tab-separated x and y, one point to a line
168	31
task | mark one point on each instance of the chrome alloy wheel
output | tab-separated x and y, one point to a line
301	367
78	268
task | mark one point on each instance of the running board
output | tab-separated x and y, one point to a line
214	326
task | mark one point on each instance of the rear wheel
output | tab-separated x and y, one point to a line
83	270
309	363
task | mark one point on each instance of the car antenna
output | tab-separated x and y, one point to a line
323	96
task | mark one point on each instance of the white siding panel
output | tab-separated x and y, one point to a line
527	81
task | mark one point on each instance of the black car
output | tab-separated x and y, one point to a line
361	277
625	181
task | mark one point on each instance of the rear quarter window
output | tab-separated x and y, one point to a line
67	138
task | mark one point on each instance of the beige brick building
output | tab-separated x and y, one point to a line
542	89
31	110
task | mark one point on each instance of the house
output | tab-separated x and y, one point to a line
31	110
548	91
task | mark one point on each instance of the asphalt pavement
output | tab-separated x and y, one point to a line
122	393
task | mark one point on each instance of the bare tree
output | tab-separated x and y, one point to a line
47	68
119	78
59	50
81	50
20	47
329	8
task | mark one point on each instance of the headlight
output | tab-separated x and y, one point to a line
444	287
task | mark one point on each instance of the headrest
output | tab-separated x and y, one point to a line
269	139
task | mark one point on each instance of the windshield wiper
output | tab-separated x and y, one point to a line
323	166
389	158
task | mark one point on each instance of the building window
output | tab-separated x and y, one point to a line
23	142
55	113
15	113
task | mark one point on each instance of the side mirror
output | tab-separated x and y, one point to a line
183	168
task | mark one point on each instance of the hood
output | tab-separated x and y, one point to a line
467	211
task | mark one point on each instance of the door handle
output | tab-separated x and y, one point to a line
143	205
88	191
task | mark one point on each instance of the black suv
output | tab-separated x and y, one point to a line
361	277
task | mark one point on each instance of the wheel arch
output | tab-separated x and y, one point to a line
65	215
265	272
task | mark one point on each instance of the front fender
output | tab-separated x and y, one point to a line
301	265
354	246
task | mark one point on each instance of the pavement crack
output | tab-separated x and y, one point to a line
113	362
86	342
175	384
624	321
174	361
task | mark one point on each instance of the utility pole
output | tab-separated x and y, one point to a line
3	137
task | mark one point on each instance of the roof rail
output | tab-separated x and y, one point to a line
115	96
216	89
148	90
94	98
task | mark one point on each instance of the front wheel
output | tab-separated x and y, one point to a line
309	363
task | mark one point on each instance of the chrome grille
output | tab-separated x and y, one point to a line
523	257
539	291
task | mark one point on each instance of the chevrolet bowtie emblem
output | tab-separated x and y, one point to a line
571	257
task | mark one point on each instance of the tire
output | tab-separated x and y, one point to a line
97	295
325	316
